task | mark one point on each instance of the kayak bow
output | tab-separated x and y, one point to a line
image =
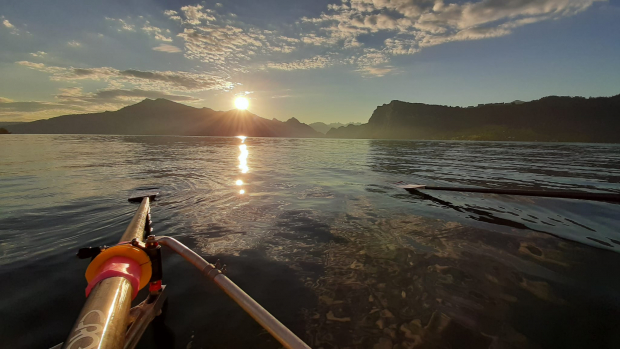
117	273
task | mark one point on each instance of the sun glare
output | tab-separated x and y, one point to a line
242	103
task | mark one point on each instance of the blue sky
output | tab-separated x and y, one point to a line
330	61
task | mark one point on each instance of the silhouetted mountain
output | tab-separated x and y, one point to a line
563	119
164	117
7	123
323	127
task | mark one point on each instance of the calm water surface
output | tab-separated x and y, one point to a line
319	235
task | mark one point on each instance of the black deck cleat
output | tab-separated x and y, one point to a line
88	252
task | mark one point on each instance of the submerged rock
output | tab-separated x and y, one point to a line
330	317
384	343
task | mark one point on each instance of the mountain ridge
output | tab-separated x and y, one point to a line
551	118
164	117
324	128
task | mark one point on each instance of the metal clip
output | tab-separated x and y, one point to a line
221	268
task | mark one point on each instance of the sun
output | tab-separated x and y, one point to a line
242	103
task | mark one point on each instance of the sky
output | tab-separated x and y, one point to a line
319	60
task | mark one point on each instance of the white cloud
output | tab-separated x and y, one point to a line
314	39
175	17
167	48
10	26
42	67
74	43
155	31
162	37
372	62
70	92
38	54
123	25
303	64
376	71
290	40
348	32
195	14
224	47
414	24
147	27
401	46
225	43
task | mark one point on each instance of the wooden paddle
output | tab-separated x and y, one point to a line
580	195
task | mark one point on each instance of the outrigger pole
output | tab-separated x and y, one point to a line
287	338
413	188
116	273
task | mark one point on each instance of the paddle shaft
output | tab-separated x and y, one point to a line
541	193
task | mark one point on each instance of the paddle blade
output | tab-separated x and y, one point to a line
409	186
138	195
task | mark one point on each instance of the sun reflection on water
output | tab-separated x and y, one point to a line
243	158
243	161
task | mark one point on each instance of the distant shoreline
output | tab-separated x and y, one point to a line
321	138
549	119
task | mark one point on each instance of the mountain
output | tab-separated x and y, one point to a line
561	119
164	117
323	127
7	123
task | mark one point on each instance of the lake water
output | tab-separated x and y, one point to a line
320	236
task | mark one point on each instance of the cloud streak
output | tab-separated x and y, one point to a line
167	48
151	80
30	107
74	100
120	96
32	110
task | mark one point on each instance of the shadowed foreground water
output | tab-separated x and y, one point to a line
315	231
